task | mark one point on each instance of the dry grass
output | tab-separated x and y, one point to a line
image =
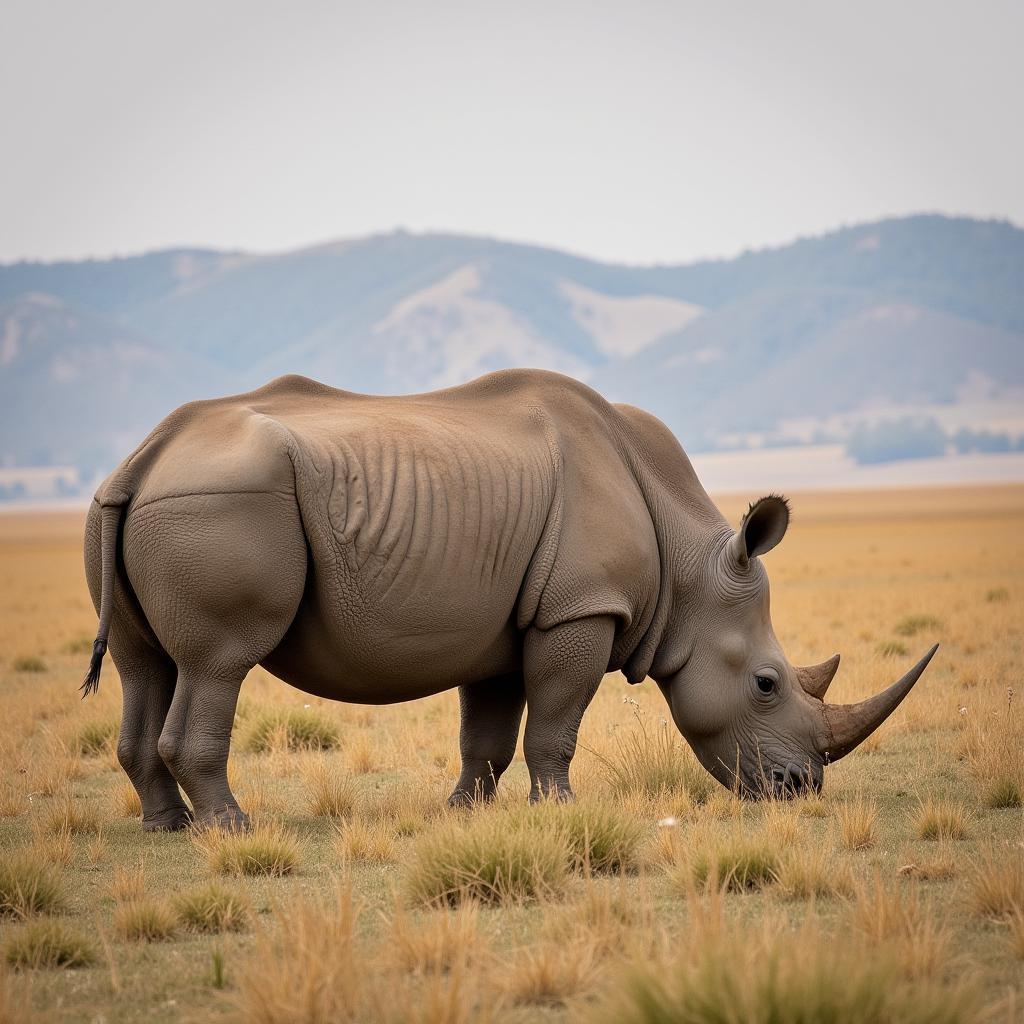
28	886
126	801
213	908
858	822
489	859
436	940
735	863
548	974
941	914
997	882
941	819
359	841
755	979
291	729
267	849
145	921
71	815
650	758
128	883
15	1000
805	873
331	793
48	942
307	970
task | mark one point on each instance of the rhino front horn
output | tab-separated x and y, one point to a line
848	725
814	679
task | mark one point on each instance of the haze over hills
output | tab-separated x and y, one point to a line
920	316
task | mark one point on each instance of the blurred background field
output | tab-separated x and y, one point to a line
359	897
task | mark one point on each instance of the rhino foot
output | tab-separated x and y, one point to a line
465	799
174	820
230	819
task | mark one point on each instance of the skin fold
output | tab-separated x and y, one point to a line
517	537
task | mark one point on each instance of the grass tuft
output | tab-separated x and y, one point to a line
291	729
96	736
737	863
760	982
599	836
332	794
655	761
362	841
265	850
307	970
71	816
941	819
805	873
28	886
857	823
911	625
549	975
145	921
213	908
997	882
48	942
28	663
891	649
487	860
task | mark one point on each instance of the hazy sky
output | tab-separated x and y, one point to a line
636	131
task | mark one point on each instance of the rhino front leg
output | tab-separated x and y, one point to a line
563	668
490	715
195	742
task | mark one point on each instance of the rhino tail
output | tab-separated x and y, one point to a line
110	527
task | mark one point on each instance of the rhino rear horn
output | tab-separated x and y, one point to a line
850	724
815	679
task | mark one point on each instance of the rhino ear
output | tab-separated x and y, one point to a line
762	528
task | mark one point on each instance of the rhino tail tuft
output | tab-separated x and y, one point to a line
91	683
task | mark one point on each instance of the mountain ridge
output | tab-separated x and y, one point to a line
725	351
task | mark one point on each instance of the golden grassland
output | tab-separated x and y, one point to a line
897	895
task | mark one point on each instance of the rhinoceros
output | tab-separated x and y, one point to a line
517	537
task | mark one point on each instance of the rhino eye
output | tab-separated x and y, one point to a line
765	684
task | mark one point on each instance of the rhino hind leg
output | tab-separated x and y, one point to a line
220	578
490	715
147	685
563	667
195	742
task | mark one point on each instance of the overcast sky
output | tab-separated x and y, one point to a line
639	131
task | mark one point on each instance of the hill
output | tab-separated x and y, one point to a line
919	316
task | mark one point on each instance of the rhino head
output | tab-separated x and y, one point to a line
756	722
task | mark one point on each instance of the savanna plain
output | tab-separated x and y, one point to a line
658	897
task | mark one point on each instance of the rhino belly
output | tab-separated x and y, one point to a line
383	656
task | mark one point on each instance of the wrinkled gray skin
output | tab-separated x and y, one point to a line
516	537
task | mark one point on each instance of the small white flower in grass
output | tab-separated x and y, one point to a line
669	822
307	705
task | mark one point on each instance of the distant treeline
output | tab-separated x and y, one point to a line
922	438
